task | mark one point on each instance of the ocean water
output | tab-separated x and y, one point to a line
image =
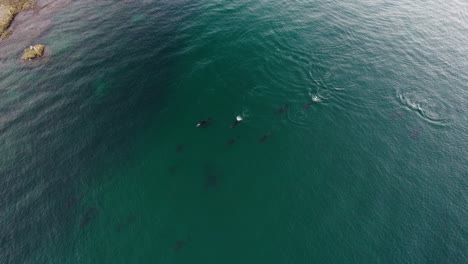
364	102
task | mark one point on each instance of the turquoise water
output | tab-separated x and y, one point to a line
365	104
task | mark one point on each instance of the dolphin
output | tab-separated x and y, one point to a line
307	106
173	169
180	148
211	176
203	123
264	137
88	216
179	245
415	133
232	141
283	109
397	115
128	221
211	181
72	201
238	120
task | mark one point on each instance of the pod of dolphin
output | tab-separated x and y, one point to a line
211	175
210	180
281	110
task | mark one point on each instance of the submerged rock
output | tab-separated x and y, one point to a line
33	52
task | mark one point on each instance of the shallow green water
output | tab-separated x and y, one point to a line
101	162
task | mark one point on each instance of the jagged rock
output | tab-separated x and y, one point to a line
33	52
8	10
6	16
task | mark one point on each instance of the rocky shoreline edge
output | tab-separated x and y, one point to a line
8	11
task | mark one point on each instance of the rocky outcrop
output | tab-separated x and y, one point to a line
33	52
6	16
8	10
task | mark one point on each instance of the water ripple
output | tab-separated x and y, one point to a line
433	110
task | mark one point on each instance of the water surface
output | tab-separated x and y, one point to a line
364	103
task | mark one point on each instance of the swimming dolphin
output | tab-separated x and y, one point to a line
415	133
72	201
179	245
203	123
238	120
397	115
173	169
180	148
307	106
283	109
211	181
232	141
128	221
88	216
263	138
211	176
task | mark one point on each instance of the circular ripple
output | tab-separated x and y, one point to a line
433	110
